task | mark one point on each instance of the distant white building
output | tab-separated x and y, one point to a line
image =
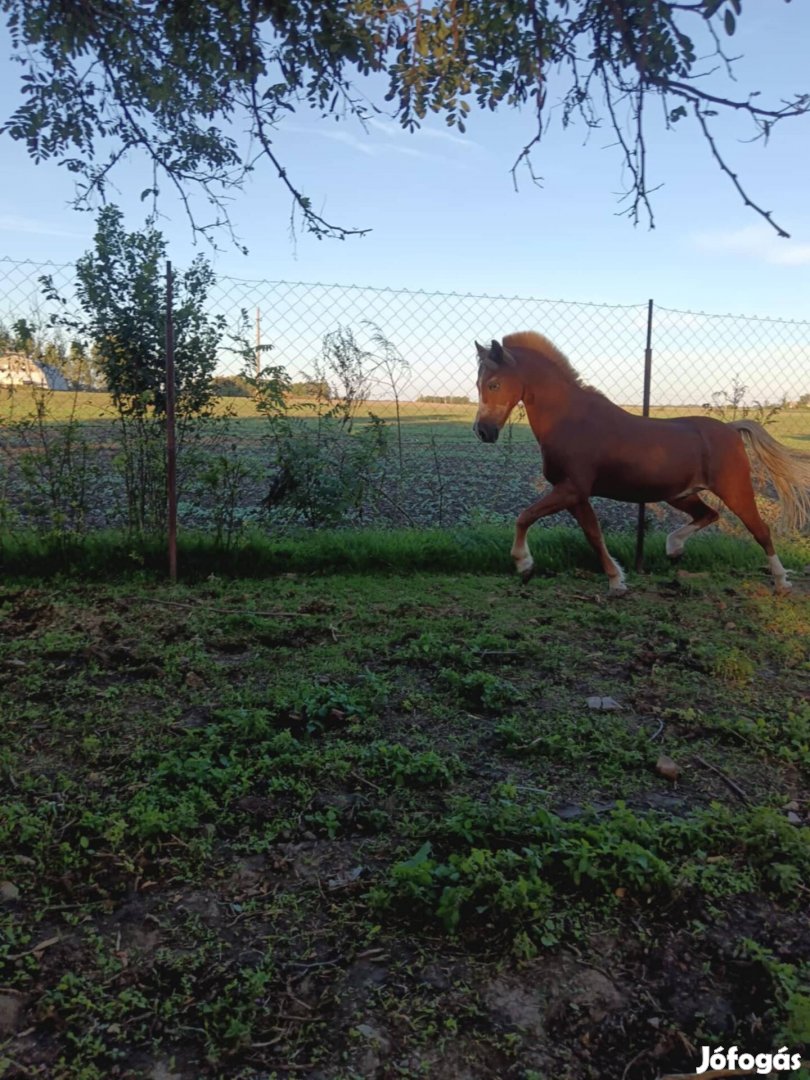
17	369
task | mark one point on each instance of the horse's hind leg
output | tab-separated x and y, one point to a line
589	524
701	515
738	495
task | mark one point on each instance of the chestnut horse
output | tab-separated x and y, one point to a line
592	447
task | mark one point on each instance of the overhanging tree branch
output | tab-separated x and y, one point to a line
314	222
701	119
174	76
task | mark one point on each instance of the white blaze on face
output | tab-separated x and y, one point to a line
484	376
491	413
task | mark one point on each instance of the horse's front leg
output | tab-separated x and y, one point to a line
562	496
589	524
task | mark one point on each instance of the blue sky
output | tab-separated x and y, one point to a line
444	215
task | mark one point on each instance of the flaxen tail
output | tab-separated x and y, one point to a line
790	471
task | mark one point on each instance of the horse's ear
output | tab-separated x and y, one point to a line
484	357
500	355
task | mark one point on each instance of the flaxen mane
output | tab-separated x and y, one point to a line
528	339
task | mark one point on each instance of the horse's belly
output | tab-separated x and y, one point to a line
642	495
633	471
633	486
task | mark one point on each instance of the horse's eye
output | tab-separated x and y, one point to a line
494	386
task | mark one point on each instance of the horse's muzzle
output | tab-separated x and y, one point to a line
486	432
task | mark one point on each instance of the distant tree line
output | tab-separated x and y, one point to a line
231	386
442	399
311	387
238	386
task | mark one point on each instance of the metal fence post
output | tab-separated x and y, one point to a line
258	344
645	411
171	443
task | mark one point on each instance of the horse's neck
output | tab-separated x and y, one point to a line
548	400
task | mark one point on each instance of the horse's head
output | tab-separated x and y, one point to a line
499	390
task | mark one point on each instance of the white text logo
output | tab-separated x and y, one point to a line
718	1058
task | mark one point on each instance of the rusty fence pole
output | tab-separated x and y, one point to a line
645	409
171	441
258	344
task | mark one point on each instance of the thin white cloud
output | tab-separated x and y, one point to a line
755	242
395	139
16	223
449	137
349	140
393	131
798	255
362	145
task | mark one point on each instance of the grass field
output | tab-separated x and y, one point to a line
434	472
342	824
791	426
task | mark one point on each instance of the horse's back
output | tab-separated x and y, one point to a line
677	433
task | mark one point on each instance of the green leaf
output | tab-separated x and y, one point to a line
420	857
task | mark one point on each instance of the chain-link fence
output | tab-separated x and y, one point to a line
697	355
732	364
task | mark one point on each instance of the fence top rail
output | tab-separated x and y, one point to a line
731	315
428	292
36	262
275	282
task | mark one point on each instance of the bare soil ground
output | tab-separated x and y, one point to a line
343	827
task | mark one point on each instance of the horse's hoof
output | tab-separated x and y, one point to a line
675	556
785	589
618	593
527	575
